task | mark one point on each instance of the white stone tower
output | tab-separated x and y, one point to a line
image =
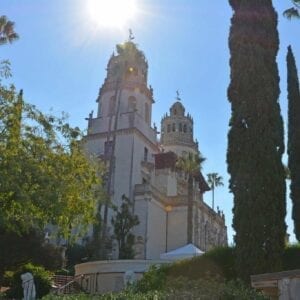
121	133
177	131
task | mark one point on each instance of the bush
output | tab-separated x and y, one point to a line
224	258
42	281
291	257
34	250
217	263
181	288
75	254
153	279
63	272
237	290
125	295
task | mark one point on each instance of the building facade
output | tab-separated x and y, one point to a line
144	168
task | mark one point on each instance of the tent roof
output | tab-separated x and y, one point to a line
186	251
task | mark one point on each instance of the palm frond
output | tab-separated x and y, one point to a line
7	33
292	13
296	2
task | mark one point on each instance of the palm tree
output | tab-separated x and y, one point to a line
7	32
287	172
214	180
190	165
293	12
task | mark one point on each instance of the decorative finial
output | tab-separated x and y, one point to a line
151	89
178	96
131	36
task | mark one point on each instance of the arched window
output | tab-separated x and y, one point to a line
146	154
184	128
131	103
112	105
180	127
173	127
147	113
169	127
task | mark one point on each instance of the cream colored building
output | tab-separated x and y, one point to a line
143	167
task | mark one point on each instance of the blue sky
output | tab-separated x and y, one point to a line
61	57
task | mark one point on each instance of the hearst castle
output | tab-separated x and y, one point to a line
143	167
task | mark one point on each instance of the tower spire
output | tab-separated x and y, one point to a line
178	96
131	36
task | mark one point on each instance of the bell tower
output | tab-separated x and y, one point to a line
127	75
121	133
177	130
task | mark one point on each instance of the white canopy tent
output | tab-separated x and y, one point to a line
187	251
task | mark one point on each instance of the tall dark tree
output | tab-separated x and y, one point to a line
294	137
123	223
255	139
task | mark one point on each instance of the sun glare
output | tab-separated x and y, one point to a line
112	13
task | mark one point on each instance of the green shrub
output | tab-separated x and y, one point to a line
237	290
64	272
217	264
153	279
42	281
291	257
181	288
75	253
125	295
224	258
34	250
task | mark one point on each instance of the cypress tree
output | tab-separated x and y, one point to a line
255	139
294	137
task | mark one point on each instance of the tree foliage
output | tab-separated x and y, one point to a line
45	176
214	180
42	281
7	31
17	250
190	165
123	223
255	139
294	138
293	12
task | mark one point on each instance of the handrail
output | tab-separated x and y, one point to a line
64	288
91	279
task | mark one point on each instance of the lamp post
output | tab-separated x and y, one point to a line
168	209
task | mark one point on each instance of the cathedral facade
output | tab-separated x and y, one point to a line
143	167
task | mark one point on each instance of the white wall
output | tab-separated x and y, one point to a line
177	228
156	237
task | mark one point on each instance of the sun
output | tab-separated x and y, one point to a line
112	13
